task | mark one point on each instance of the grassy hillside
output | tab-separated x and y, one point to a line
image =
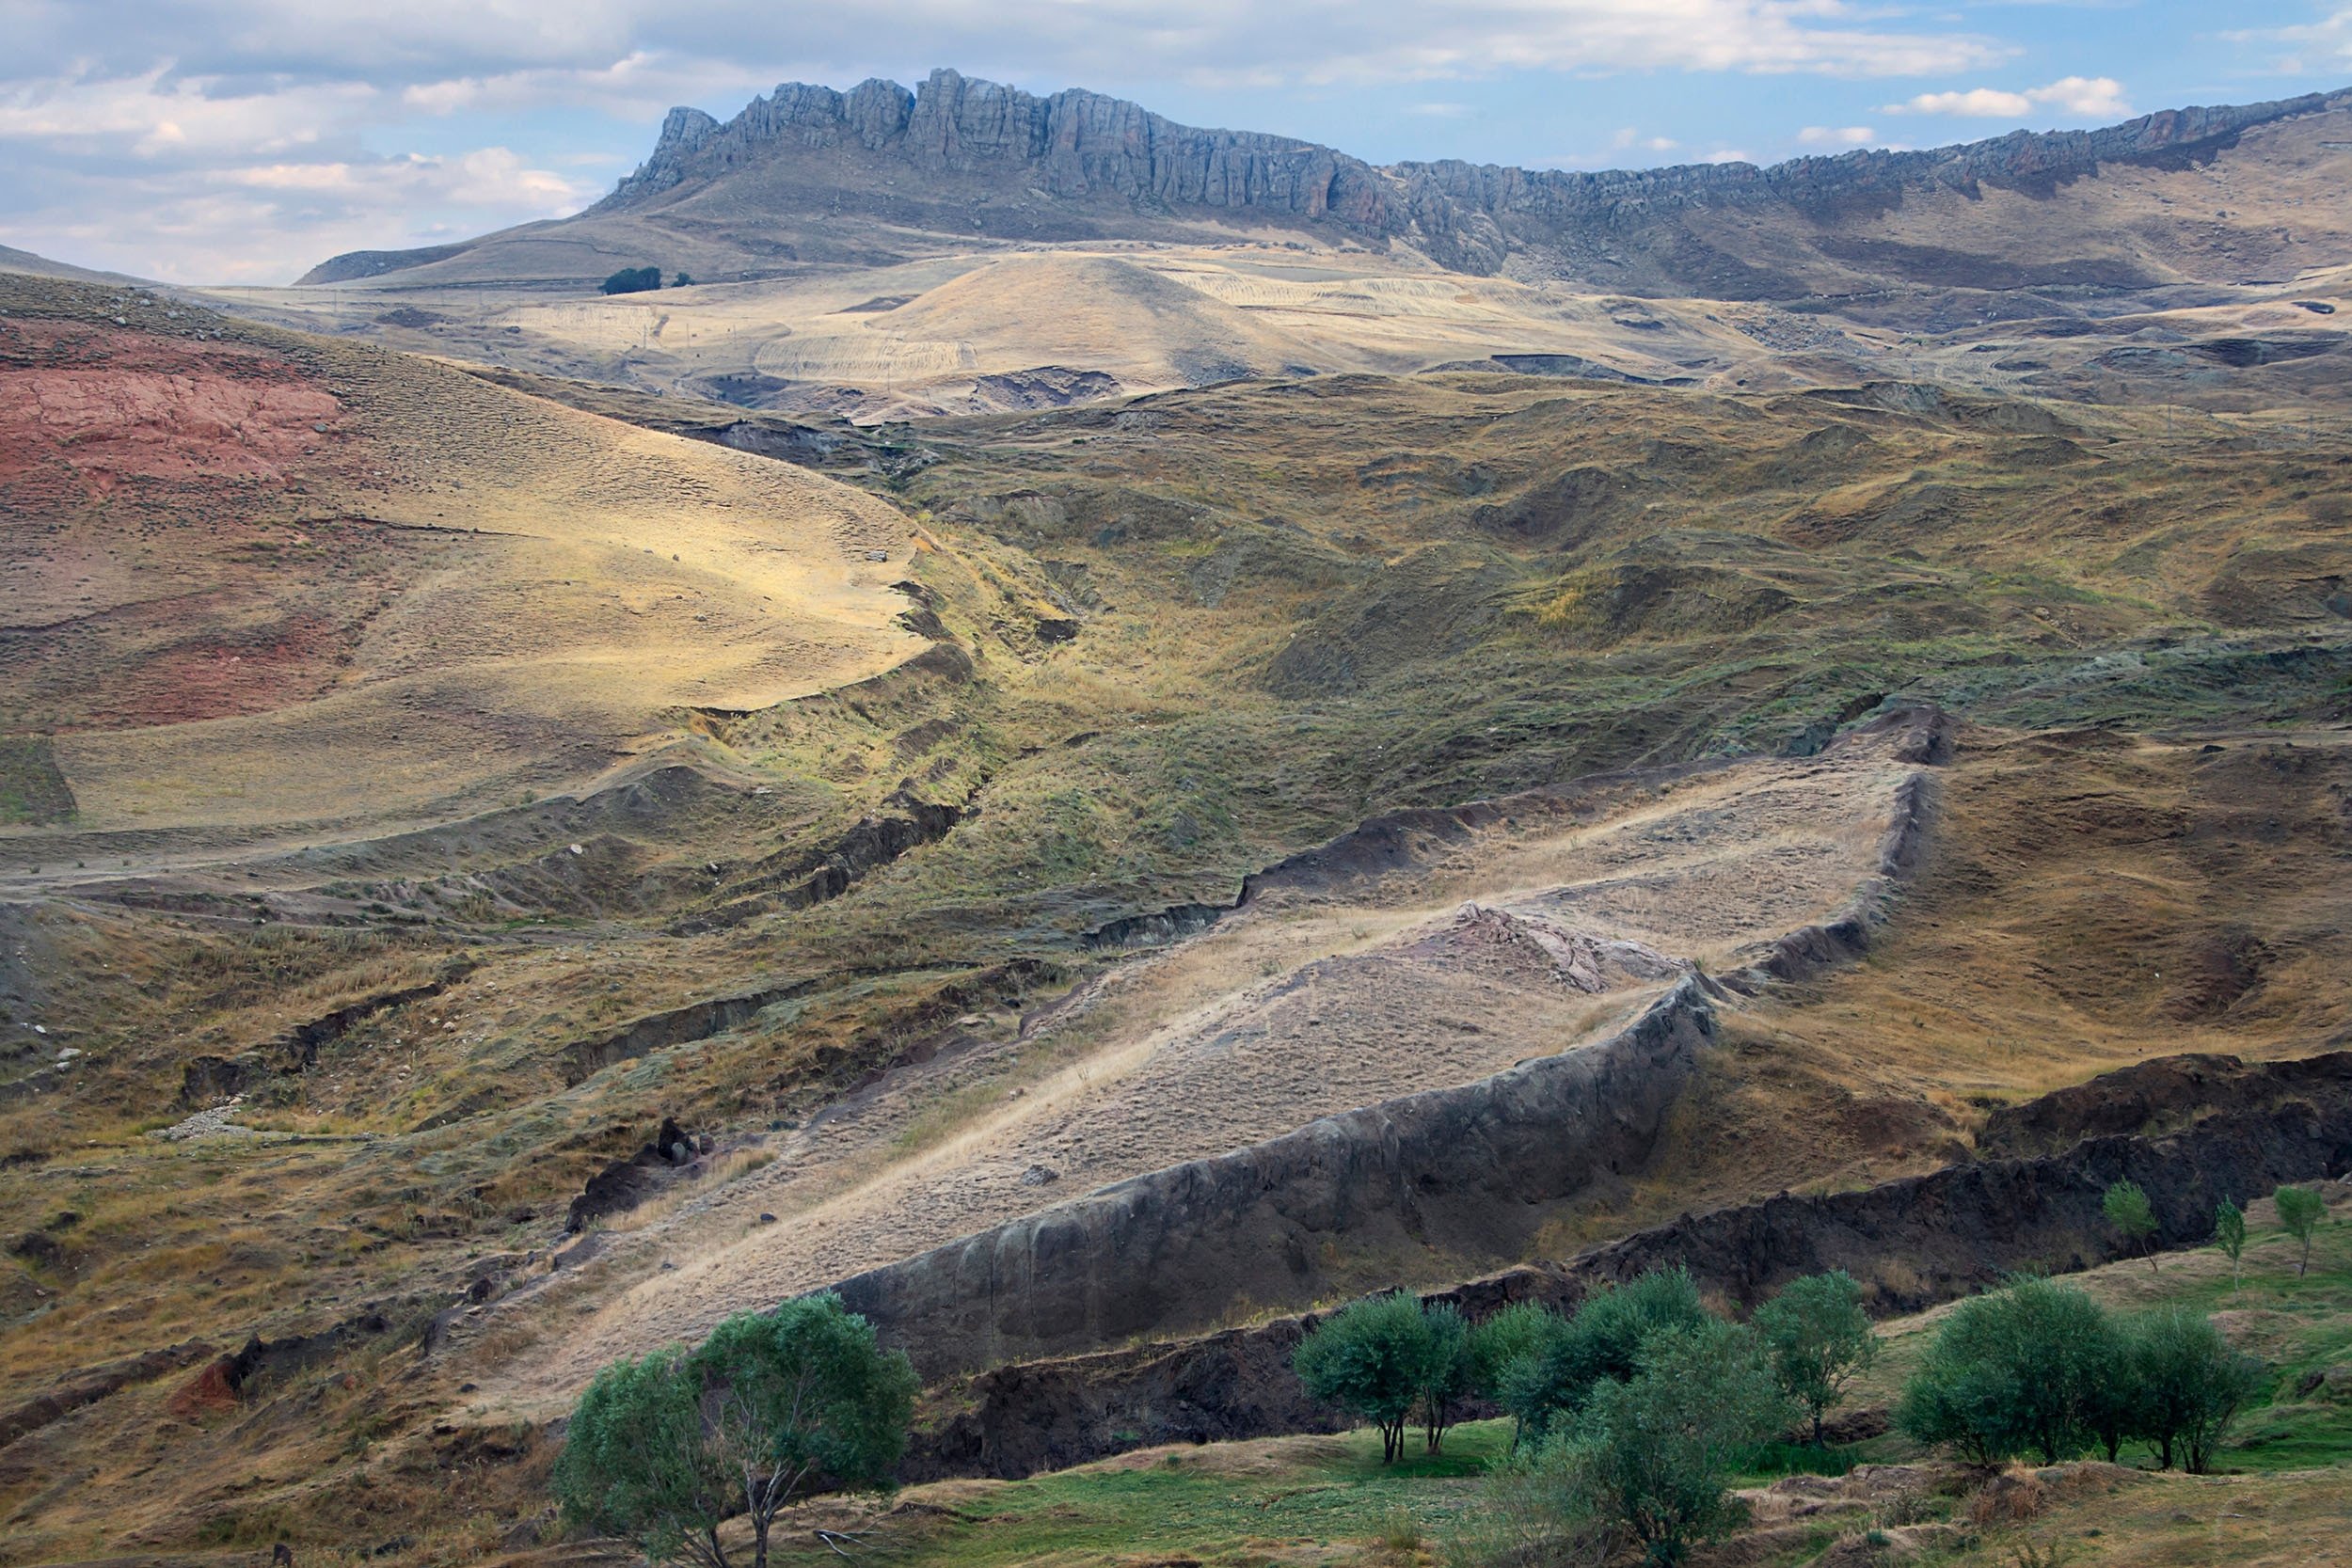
661	800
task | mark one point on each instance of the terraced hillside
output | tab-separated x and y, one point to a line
1222	796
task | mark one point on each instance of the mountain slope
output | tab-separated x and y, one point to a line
879	174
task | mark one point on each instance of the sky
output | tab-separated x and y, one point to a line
242	141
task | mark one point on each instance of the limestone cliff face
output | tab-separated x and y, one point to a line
1071	143
1471	217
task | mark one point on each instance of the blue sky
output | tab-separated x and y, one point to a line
243	140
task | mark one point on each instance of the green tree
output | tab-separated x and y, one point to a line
1601	1343
634	1464
2229	1231
1446	1370
2025	1369
633	280
2301	1210
2190	1384
2128	1210
800	1394
1651	1457
1817	1338
662	1448
1372	1360
1513	1338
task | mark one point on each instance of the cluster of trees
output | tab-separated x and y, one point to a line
638	281
664	1447
2039	1370
1634	1412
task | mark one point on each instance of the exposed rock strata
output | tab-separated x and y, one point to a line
1472	1170
1912	1243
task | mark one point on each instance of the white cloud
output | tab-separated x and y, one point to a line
1836	136
2328	40
1440	111
193	178
431	43
1727	155
2087	96
1628	138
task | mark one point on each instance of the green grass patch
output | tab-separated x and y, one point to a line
1224	1504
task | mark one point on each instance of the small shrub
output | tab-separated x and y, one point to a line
2011	1498
2047	1554
1650	1458
1400	1533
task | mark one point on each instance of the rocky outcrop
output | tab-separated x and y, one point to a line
2167	1095
1475	1171
1912	1243
1072	144
625	1183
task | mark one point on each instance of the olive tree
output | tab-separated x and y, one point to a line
663	1449
635	1466
1518	1334
1816	1338
1448	1369
1601	1343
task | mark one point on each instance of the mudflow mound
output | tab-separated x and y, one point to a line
1550	935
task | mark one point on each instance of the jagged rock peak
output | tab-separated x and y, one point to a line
1072	143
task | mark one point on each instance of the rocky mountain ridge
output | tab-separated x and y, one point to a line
1469	218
